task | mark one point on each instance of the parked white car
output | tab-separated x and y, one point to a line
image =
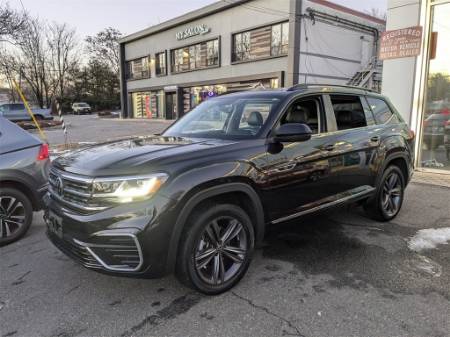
81	108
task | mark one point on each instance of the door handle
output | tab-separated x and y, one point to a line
328	147
375	139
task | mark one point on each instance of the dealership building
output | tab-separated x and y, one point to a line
235	45
416	76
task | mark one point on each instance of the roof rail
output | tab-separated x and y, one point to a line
308	85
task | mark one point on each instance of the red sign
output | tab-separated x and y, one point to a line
399	43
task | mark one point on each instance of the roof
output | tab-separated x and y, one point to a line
348	10
223	5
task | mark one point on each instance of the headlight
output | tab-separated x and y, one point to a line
126	189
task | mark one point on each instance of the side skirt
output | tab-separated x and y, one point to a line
336	200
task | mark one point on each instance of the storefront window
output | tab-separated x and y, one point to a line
138	69
160	64
198	56
280	39
149	104
261	43
435	142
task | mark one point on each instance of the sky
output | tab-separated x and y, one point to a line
90	16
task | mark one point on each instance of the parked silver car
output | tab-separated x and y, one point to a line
17	112
81	108
24	163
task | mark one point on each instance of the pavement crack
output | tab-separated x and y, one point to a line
20	280
72	289
177	307
271	313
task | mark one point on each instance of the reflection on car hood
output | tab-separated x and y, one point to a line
132	155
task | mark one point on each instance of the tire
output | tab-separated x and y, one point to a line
388	199
207	264
16	215
39	117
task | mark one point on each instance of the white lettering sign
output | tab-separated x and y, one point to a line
192	31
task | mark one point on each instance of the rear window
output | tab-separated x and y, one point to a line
381	111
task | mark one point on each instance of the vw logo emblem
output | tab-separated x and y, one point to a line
59	186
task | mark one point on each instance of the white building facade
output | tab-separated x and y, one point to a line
419	86
168	69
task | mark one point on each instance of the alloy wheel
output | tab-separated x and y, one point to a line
12	216
392	194
221	250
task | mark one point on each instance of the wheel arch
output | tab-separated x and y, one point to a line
22	187
238	193
399	159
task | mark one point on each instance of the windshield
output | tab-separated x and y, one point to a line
227	118
82	105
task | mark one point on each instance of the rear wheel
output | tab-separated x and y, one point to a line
217	248
388	200
16	214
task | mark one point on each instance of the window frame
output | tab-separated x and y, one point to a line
188	46
332	114
249	30
165	63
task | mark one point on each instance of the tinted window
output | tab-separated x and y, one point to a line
17	107
381	111
305	111
348	111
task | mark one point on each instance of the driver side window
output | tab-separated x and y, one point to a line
304	111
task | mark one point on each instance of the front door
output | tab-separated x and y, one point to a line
299	176
171	105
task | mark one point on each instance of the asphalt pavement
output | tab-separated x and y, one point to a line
335	274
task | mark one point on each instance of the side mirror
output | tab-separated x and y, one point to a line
292	132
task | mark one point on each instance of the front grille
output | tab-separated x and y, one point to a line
74	191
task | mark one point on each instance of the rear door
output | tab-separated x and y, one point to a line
354	140
18	112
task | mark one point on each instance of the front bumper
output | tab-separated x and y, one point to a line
127	240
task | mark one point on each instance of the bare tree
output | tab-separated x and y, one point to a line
378	13
105	46
11	22
63	57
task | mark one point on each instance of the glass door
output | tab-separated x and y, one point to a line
434	150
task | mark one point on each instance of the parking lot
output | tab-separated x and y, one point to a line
334	274
337	274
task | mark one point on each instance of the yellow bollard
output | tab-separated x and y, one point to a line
43	136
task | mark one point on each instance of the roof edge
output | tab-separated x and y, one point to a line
182	19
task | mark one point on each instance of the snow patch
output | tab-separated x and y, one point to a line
429	238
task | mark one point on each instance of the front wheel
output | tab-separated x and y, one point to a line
388	200
216	249
16	214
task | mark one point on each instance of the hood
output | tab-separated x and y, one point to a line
130	156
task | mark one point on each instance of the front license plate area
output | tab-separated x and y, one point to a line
54	224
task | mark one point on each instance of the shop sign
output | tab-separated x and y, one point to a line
192	31
399	43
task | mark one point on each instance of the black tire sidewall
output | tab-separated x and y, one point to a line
386	173
196	227
12	192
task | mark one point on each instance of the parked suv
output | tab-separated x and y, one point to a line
81	108
197	199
